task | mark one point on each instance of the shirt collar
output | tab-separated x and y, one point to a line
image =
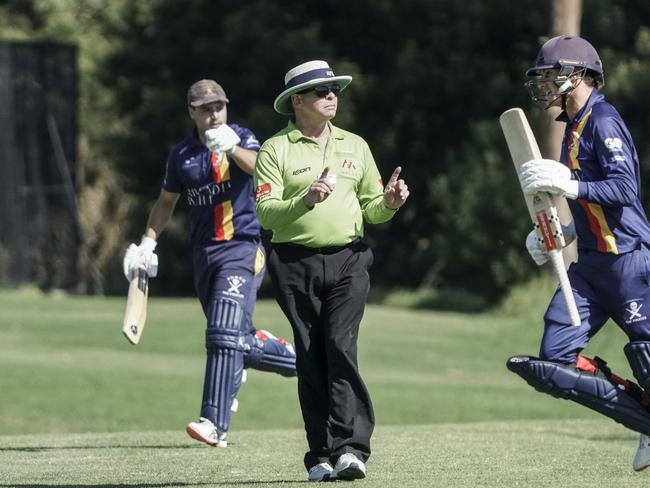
193	139
595	97
295	135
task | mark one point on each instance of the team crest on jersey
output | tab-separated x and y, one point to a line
633	312
262	191
235	282
613	144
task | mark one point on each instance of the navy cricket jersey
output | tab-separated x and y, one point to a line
218	193
599	150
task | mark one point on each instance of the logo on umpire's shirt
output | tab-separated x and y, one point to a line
262	191
634	313
235	282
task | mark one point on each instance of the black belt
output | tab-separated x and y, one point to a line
288	246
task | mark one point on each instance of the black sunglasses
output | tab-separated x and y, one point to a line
323	90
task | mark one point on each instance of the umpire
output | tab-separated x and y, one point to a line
315	184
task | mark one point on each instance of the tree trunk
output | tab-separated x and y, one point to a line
565	19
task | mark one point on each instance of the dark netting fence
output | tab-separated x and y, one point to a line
40	235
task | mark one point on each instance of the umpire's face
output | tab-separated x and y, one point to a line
316	104
208	116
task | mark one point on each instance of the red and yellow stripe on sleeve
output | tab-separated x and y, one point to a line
605	239
222	221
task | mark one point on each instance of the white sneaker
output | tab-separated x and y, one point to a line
321	472
205	431
642	457
349	467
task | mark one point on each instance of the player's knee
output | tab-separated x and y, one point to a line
638	355
266	352
224	321
536	372
548	352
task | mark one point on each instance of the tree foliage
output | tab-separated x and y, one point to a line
430	80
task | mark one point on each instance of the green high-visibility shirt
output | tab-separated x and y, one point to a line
288	163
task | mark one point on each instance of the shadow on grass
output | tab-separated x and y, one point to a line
60	448
155	485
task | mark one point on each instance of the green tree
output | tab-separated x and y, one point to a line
430	80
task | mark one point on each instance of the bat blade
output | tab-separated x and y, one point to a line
135	314
542	207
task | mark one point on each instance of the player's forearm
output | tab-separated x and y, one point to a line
159	218
245	159
613	192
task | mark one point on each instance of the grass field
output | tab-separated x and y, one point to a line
79	406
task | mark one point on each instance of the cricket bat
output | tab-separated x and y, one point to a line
136	307
541	206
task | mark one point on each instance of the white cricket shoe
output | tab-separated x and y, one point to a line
205	431
642	456
321	472
349	467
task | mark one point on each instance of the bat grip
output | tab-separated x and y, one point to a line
565	286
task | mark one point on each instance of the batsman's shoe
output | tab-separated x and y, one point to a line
349	467
205	431
321	472
642	456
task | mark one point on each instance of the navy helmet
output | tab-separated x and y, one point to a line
571	55
567	51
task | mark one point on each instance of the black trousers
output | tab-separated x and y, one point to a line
323	293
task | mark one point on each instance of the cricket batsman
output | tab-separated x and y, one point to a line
598	173
212	168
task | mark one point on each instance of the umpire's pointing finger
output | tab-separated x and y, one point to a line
395	175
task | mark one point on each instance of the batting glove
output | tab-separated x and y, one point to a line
141	257
536	248
535	244
222	139
548	175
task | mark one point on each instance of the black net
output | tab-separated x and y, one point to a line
40	235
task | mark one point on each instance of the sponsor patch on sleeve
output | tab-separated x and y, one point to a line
262	191
613	144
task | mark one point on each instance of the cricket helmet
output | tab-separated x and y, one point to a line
571	55
566	51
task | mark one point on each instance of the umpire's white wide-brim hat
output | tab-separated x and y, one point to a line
304	76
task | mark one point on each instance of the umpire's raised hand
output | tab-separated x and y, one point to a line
396	191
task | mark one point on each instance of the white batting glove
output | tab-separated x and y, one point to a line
536	248
141	256
548	175
222	139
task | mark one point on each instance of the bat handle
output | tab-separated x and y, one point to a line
565	286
